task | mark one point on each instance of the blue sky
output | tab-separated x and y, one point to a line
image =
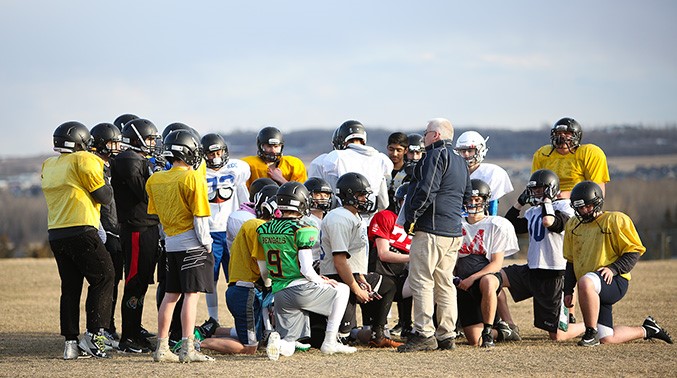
226	65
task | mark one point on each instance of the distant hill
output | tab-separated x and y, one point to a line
503	144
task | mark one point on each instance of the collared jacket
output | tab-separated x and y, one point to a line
437	191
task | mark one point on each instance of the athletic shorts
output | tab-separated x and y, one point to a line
545	286
608	295
221	253
244	303
470	302
293	303
190	271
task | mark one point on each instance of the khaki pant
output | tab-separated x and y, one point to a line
431	264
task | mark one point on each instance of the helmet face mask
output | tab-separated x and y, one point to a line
321	193
264	200
416	148
353	189
587	200
477	204
141	135
542	184
267	137
106	139
71	137
211	145
470	140
566	133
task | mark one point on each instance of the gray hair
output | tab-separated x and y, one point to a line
442	126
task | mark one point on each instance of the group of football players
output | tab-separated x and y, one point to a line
301	249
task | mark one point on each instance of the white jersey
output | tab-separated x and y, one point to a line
234	224
315	168
343	231
493	234
374	165
545	247
226	190
496	177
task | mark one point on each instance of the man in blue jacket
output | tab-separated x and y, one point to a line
433	213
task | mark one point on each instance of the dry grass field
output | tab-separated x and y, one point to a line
30	344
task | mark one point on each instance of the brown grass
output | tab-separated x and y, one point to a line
30	343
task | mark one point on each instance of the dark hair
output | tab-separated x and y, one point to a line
398	138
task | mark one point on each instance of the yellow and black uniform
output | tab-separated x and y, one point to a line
245	252
587	162
74	187
178	197
292	168
590	246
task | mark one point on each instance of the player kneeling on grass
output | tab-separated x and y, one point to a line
287	242
601	249
487	239
179	198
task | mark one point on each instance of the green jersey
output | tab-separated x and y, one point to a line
281	240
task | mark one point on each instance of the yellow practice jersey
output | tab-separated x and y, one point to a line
587	163
599	243
245	252
176	196
67	181
292	168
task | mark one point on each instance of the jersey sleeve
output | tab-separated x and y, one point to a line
306	237
628	239
90	172
197	194
596	167
380	226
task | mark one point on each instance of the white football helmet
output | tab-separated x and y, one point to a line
472	139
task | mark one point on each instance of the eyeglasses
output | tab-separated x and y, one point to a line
428	131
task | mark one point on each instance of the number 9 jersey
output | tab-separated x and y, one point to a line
281	240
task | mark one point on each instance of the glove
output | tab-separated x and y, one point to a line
523	198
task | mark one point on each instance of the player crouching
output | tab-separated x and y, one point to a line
287	243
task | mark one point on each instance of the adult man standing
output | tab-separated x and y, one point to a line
433	205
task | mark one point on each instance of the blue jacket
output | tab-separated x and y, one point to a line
439	186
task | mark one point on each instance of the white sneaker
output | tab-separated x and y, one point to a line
273	347
189	354
336	347
163	353
71	350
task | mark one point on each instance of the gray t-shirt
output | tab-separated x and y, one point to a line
343	231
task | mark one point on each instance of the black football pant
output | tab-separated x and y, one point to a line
77	258
115	250
140	248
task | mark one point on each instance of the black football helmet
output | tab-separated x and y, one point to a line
178	126
273	136
319	185
137	132
587	193
182	144
101	135
123	119
72	136
569	125
215	142
416	144
347	131
546	179
293	196
257	185
264	200
349	186
479	189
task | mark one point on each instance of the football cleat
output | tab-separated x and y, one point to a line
654	331
590	338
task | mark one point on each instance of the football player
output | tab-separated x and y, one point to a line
74	188
571	161
542	277
487	239
227	190
473	148
179	198
297	288
270	161
601	248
